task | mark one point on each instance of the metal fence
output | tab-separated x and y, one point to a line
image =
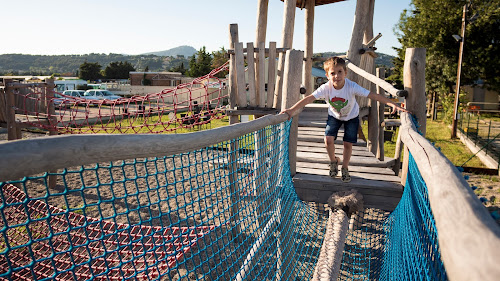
483	131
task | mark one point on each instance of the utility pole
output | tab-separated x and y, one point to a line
459	72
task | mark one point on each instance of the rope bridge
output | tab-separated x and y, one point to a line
191	214
216	204
222	211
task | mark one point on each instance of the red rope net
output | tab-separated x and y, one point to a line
92	247
185	106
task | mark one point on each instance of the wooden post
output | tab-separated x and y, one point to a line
433	106
233	119
49	94
397	158
459	73
308	53
241	99
11	112
262	9
291	94
260	40
286	42
414	81
260	71
380	119
253	99
271	72
233	90
358	31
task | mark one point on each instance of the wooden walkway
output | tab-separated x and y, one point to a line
371	177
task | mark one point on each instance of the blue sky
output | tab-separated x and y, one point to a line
55	27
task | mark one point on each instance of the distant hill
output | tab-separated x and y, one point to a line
186	51
68	65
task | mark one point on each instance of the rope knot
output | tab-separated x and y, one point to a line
350	201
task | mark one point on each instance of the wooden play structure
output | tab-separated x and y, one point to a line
250	200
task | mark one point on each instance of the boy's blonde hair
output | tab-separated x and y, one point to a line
333	62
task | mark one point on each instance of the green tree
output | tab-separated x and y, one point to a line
118	70
180	68
90	71
219	58
200	64
431	26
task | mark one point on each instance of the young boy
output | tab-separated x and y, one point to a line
343	109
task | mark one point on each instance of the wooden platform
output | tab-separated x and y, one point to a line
378	184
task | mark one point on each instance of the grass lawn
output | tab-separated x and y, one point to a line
439	134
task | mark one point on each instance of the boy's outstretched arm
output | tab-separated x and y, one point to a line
296	108
387	101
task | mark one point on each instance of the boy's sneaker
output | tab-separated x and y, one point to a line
334	168
345	175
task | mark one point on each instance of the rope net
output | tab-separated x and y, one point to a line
225	212
188	106
207	214
216	213
411	247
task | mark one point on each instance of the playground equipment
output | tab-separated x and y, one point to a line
221	203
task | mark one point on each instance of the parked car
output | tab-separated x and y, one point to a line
100	94
74	93
60	101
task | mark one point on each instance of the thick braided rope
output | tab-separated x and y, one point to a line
330	257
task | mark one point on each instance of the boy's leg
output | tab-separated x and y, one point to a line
347	154
334	161
330	147
350	138
331	131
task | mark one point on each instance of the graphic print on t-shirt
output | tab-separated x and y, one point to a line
338	103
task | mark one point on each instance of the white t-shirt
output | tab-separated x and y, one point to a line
342	103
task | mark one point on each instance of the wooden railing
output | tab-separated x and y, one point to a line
28	157
468	237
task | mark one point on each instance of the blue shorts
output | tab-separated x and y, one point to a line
350	128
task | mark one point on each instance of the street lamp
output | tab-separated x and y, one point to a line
460	39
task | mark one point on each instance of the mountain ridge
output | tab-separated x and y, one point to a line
184	50
68	65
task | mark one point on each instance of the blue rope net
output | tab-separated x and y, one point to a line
411	247
223	212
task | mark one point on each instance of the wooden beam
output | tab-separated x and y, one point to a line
251	111
260	32
308	52
234	146
256	50
377	81
57	152
380	72
361	18
414	81
260	76
251	76
291	90
271	72
10	111
469	238
286	42
241	99
233	88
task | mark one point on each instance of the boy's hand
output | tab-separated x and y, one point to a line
288	112
398	109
